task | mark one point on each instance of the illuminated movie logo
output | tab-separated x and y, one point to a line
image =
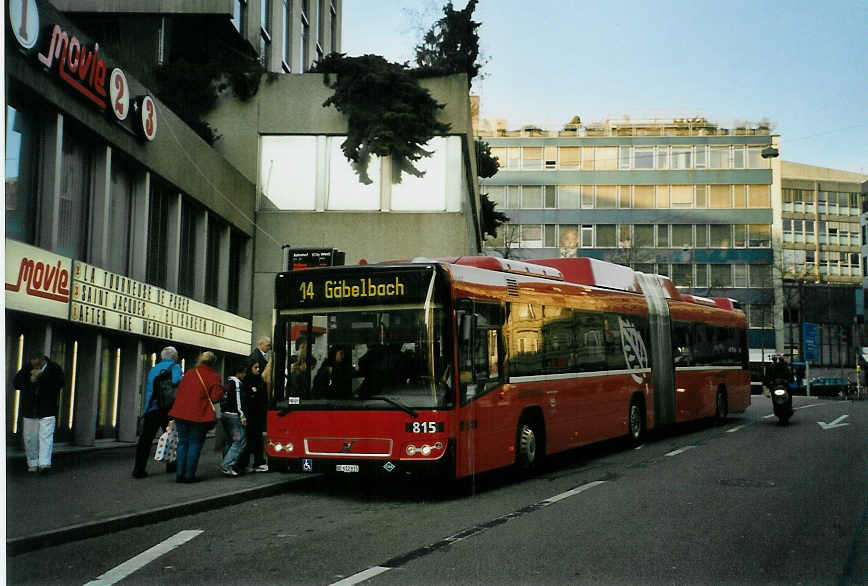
635	353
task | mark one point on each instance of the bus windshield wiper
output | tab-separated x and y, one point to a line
397	404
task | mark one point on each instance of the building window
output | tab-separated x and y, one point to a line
587	236
531	197
606	159
738	157
625	155
587	196
643	196
212	260
643	158
739	236
739	275
550	156
720	235
158	235
75	192
644	235
606	235
551	197
265	32
719	157
568	236
721	276
22	137
120	211
662	196
568	197
663	235
681	196
333	23
606	195
625	198
320	28
682	235
662	157
760	235
187	262
305	34
682	275
721	196
759	196
531	236
699	161
531	157
701	276
286	58
568	157
237	243
239	16
550	235
681	158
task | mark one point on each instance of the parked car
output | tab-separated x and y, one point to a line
829	386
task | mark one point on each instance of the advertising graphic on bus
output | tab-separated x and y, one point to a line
456	366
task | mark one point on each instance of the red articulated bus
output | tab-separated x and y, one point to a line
460	365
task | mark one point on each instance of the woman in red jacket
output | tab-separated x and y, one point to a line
193	412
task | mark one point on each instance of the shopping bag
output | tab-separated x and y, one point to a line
167	445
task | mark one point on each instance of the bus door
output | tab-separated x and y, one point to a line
486	429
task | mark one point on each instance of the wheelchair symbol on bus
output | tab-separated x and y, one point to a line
307	465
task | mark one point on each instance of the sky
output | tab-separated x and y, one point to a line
801	65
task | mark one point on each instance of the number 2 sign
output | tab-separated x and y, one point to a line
119	91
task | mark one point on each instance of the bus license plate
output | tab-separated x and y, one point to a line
346	467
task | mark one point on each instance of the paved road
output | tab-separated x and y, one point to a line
750	502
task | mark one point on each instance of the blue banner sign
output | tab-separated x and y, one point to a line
810	345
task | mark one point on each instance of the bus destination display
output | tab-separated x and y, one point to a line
328	289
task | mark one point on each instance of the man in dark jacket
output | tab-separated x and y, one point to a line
40	383
257	402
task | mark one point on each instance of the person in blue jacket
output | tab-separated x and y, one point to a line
155	416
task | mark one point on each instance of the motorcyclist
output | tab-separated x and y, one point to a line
779	373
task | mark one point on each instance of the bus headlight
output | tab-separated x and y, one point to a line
425	450
280	447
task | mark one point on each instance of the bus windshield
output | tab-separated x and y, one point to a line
383	357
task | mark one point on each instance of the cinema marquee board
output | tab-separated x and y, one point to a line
37	281
105	299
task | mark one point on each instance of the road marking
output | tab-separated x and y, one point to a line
362	576
734	429
834	424
679	451
120	572
400	560
770	415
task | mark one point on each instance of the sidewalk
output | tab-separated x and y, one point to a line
91	491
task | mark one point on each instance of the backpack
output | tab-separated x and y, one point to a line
164	390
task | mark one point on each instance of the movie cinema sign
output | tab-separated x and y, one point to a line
37	281
80	67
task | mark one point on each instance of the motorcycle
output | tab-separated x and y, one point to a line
782	401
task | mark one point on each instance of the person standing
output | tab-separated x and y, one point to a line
257	403
40	384
194	415
235	421
156	416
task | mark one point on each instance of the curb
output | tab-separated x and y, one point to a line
29	543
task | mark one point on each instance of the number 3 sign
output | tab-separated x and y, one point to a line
146	123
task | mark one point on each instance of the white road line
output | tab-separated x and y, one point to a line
361	576
770	415
734	429
128	567
679	451
569	493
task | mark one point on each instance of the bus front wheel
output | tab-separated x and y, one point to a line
529	446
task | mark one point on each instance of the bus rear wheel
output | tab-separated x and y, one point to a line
721	411
529	450
636	422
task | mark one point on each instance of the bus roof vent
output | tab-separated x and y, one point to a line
507	265
512	287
